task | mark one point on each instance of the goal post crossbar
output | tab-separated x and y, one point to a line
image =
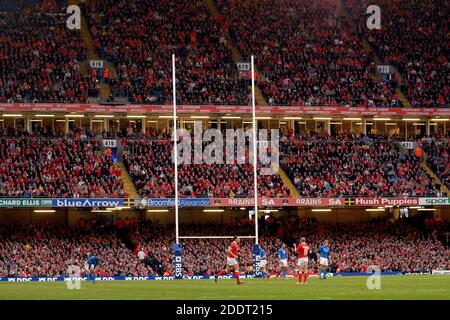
216	237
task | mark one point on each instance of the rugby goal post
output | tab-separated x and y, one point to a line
177	247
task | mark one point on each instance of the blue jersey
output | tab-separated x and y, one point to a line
324	251
92	260
281	254
262	253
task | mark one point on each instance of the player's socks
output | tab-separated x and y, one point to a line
320	274
221	273
236	273
300	277
305	277
284	274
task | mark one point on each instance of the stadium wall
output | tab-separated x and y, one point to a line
72	216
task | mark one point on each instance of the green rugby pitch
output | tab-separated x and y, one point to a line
354	288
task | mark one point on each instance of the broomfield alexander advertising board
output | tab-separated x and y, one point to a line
222	202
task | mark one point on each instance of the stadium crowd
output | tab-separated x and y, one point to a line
70	167
319	165
307	53
437	148
310	56
142	248
422	54
49	250
40	57
322	165
140	39
149	163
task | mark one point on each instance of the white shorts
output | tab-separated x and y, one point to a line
284	262
323	261
89	266
302	262
263	263
231	262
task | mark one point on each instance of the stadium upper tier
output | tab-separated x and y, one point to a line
414	38
48	250
307	52
40	58
140	39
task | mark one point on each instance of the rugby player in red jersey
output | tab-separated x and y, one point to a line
232	264
302	251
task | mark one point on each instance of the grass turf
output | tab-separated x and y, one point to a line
392	287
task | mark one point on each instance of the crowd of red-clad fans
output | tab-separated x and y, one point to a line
149	163
140	39
39	57
306	53
319	165
143	248
437	149
414	38
69	167
40	250
323	165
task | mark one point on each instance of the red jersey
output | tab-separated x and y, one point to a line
302	250
234	250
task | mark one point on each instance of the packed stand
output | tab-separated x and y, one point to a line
414	38
49	250
149	163
306	53
416	245
140	39
143	248
55	167
437	149
322	165
40	56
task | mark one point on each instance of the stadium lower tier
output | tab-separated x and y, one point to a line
144	248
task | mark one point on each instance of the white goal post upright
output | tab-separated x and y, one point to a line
175	151
255	148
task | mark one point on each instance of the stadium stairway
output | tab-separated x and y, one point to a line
128	184
86	37
235	54
286	180
342	10
430	172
